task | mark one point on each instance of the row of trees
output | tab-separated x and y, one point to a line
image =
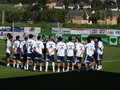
36	16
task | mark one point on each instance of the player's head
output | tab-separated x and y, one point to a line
38	37
88	40
79	40
18	37
26	38
50	37
43	37
30	36
76	39
8	35
60	38
99	39
70	38
91	38
96	39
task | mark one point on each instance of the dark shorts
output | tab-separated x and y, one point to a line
100	57
60	59
78	59
17	56
30	56
37	58
70	59
50	58
7	55
89	59
24	57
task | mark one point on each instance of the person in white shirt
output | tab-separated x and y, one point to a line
30	55
89	61
50	53
61	47
23	49
100	53
79	53
38	47
16	49
8	50
70	53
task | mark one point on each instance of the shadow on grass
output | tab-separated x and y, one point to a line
96	80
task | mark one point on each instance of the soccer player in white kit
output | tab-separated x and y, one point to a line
100	53
23	49
70	53
16	49
30	55
50	53
61	47
79	53
37	47
89	62
8	50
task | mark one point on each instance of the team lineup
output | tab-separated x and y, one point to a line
68	54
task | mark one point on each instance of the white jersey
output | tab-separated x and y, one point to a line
70	48
50	46
38	45
16	46
79	48
90	49
8	45
100	46
23	46
61	47
29	45
92	42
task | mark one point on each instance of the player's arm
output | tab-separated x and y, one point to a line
52	51
12	49
21	45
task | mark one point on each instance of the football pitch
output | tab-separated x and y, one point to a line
108	78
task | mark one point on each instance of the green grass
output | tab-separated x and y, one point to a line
10	7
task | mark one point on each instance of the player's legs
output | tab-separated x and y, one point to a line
7	59
100	62
28	60
79	63
47	63
53	63
68	64
34	65
87	63
40	61
18	60
15	60
58	67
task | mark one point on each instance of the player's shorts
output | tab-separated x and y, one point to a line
37	58
24	57
78	59
100	57
30	56
17	56
50	58
89	59
70	59
7	55
60	59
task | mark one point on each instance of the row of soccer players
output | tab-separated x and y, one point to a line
33	50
